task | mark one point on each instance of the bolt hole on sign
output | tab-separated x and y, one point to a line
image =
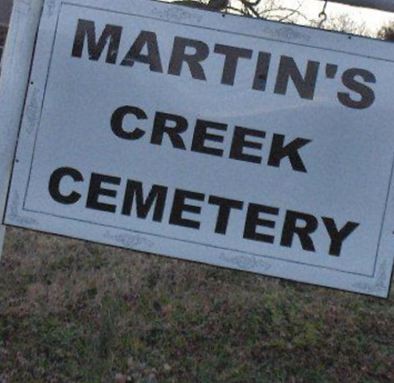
241	143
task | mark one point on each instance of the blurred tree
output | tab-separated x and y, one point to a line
3	35
266	9
387	32
344	23
275	10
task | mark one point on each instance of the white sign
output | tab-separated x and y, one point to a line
225	140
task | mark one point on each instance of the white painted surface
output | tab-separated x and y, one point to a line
349	162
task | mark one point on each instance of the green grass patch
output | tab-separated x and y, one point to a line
77	312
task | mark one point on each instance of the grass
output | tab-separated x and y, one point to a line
77	312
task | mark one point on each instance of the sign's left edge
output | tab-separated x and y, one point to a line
16	63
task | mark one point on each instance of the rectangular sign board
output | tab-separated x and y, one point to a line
235	142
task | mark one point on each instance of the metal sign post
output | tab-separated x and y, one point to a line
16	62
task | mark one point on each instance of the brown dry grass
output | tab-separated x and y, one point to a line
77	312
